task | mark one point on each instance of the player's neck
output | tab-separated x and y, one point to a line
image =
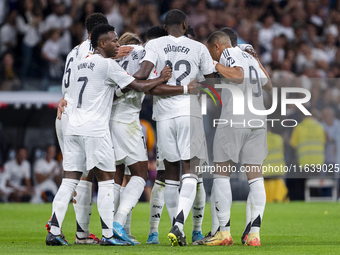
175	32
101	52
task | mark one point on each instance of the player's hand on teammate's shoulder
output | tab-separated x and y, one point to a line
123	51
61	105
251	51
166	73
193	87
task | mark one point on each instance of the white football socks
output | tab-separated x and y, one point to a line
198	206
105	204
156	205
186	199
117	196
248	216
129	198
60	204
257	196
82	207
171	197
214	219
223	200
127	224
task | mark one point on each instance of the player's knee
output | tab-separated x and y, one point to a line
160	175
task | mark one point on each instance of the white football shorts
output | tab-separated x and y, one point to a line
128	142
181	138
83	152
248	146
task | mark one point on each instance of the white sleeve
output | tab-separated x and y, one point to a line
206	65
231	58
150	53
244	46
117	75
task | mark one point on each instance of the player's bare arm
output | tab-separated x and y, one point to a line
62	103
123	51
269	86
142	74
144	71
234	74
167	90
142	86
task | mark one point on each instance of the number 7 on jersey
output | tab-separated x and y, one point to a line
80	99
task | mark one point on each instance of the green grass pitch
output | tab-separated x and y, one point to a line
288	228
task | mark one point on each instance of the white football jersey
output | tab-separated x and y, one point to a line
189	60
79	52
254	78
85	49
95	80
127	107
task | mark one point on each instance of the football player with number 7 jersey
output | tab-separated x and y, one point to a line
83	193
238	141
88	144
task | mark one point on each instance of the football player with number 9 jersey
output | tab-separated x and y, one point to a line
237	141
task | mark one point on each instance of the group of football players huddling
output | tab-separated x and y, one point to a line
99	132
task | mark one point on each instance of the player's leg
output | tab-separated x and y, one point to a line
252	156
130	196
82	204
73	167
156	203
198	210
60	205
101	158
248	222
171	190
198	206
168	151
257	202
119	176
190	141
223	200
127	223
227	145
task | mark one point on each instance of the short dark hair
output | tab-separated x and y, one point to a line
94	20
232	35
190	31
175	17
98	31
217	36
155	32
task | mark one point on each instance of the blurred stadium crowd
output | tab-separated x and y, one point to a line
296	40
